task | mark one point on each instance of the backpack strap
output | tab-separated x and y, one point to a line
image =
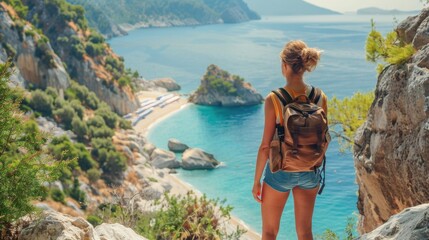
322	180
317	95
311	95
286	95
279	115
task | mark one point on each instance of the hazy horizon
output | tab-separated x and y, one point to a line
353	5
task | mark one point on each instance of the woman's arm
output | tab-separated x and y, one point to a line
264	148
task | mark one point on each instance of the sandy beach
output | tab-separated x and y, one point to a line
180	186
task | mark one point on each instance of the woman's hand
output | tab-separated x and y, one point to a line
256	191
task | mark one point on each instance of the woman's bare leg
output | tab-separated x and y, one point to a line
272	206
304	205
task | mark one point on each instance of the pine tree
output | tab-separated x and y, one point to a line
24	162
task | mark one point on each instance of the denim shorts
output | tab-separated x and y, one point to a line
284	181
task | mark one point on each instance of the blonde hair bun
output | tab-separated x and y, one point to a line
310	57
299	56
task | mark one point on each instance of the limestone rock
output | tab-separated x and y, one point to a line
55	225
196	158
410	223
163	159
176	146
167	83
220	88
149	147
153	191
116	232
392	152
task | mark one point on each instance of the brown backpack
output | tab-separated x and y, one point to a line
301	131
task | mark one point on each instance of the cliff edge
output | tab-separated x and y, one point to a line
392	159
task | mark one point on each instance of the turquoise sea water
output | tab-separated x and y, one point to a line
233	135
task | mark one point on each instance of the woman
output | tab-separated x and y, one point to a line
296	58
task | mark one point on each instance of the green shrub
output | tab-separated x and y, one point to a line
78	194
92	101
94	220
109	117
125	124
63	148
188	217
102	132
94	50
41	102
93	175
96	121
113	166
79	128
78	108
52	92
65	115
58	195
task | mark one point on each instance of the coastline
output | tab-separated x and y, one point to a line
182	187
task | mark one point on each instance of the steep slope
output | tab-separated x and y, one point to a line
88	59
36	62
290	7
392	161
114	18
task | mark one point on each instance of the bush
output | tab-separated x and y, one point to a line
113	167
65	116
92	101
109	117
52	92
125	124
188	217
102	132
58	195
79	128
41	102
78	194
94	220
94	49
96	121
78	108
93	175
63	148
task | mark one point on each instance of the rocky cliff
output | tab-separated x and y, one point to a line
218	87
88	59
392	155
410	223
36	62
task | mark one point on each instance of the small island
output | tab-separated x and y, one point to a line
220	88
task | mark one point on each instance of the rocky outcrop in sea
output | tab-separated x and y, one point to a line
219	88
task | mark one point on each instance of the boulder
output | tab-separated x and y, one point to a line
55	225
410	223
153	191
176	146
149	147
116	232
167	83
196	158
161	158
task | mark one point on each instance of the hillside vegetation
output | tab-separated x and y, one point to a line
116	17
